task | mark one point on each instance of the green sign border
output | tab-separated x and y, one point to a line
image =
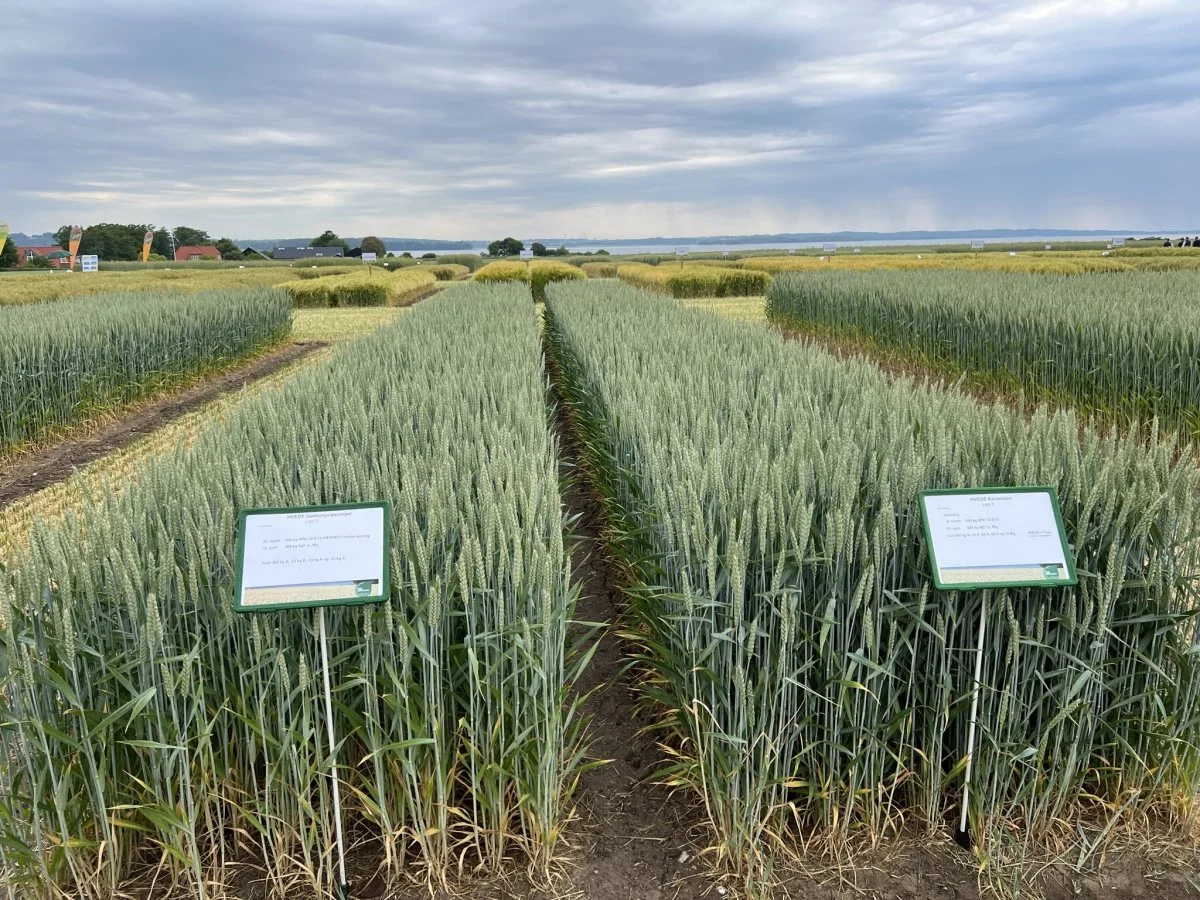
311	604
1070	578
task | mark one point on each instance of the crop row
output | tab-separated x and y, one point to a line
1129	345
143	721
64	362
537	274
366	288
695	280
765	493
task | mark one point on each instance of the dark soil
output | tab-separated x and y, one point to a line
41	467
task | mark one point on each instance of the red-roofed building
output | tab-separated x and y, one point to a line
187	253
24	254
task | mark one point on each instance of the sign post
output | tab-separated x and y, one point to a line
315	556
681	252
984	538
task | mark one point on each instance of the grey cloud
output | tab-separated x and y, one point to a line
619	118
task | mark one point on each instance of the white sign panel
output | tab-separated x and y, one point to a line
89	264
995	537
681	251
368	257
724	254
858	248
312	556
829	248
526	254
1118	242
976	245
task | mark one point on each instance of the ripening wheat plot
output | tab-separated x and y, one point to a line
817	685
62	362
1128	344
146	723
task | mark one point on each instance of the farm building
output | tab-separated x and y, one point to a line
305	252
188	253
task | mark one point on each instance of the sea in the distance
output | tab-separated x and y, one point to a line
667	248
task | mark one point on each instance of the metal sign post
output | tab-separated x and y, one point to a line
984	538
315	556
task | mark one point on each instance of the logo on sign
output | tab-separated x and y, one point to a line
362	589
1050	571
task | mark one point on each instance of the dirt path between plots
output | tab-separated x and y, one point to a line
30	472
632	836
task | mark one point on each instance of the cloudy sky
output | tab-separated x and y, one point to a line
454	119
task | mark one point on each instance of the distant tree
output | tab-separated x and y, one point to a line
8	255
372	244
229	250
161	244
156	257
329	239
108	241
38	262
538	248
509	246
428	256
406	255
561	251
192	237
602	253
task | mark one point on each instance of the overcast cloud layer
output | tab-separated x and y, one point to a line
603	119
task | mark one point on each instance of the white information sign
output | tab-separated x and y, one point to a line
526	254
724	254
829	248
996	537
858	248
312	556
369	257
1118	242
89	264
792	251
976	245
681	251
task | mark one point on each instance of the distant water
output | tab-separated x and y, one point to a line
617	248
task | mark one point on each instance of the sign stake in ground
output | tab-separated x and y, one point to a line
315	556
985	538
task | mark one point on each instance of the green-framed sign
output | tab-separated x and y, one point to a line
992	537
307	556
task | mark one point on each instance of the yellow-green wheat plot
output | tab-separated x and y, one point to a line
146	723
30	287
537	274
1129	344
766	494
63	362
373	287
695	280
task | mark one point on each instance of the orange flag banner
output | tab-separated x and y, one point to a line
3	235
146	242
76	237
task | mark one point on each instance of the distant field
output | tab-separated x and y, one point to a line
40	287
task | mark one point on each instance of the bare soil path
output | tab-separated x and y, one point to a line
29	472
